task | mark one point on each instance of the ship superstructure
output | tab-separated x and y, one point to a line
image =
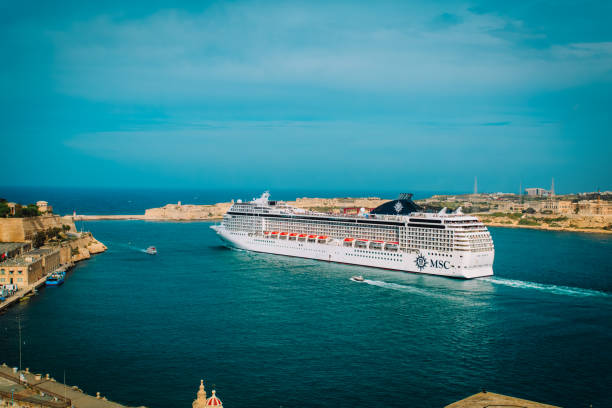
397	235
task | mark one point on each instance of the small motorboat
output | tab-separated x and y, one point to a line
151	250
55	279
357	278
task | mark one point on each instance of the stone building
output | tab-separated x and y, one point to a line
594	207
512	206
50	258
538	192
201	401
557	206
21	271
44	207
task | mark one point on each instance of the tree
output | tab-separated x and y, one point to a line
53	232
65	227
4	209
39	239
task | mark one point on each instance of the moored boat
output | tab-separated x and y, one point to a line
55	279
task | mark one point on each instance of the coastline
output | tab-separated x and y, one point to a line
215	212
546	228
137	217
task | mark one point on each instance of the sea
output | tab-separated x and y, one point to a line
267	330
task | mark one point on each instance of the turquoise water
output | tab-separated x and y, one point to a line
276	331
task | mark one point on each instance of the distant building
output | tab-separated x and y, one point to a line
201	401
512	206
594	207
537	192
44	207
557	206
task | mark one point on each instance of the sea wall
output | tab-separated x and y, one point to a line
24	229
187	212
216	211
82	248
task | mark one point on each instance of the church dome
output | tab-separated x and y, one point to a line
213	401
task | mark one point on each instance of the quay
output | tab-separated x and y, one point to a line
35	390
487	399
21	293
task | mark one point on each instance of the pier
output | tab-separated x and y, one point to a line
21	293
31	389
486	399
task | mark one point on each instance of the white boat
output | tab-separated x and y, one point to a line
397	235
151	250
357	278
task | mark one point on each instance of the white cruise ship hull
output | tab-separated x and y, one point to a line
466	266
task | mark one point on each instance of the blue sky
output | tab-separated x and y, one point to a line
313	95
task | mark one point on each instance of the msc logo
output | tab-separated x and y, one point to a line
421	262
440	264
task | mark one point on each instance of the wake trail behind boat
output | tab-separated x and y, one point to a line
424	292
128	246
548	288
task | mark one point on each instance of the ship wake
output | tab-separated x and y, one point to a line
548	288
420	291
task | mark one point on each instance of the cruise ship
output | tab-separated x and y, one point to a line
397	235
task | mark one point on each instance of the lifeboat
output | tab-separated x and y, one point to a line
376	244
348	241
323	238
284	233
293	234
391	245
362	243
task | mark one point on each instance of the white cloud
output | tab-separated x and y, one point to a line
239	48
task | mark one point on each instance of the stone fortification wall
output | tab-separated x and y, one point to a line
216	211
82	248
187	212
23	229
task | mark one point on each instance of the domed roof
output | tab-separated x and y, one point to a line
402	206
213	401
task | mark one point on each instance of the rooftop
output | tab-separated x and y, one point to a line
42	251
11	246
23	260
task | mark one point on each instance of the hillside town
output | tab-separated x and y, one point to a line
36	244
